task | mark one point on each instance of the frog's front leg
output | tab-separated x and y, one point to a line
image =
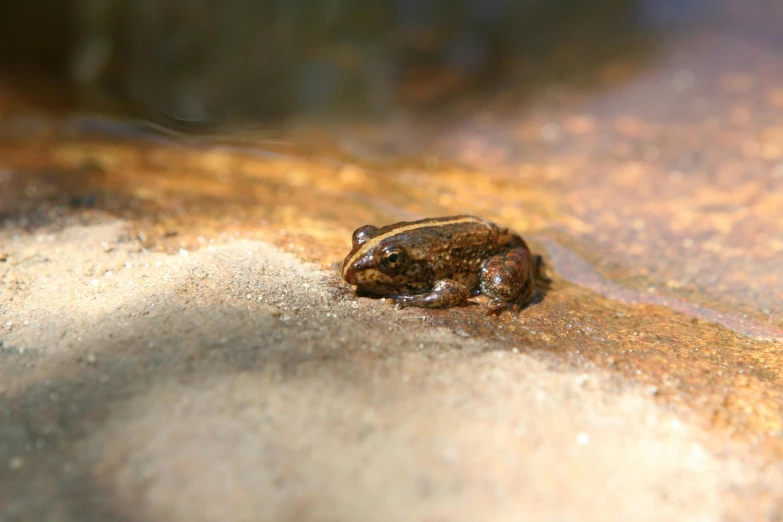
444	294
508	278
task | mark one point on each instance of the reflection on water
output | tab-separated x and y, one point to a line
671	14
269	60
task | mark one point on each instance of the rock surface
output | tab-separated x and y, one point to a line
235	384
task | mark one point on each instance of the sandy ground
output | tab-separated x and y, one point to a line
236	383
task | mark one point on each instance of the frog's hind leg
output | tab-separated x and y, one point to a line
496	306
508	279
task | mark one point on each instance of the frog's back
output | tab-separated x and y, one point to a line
428	224
449	247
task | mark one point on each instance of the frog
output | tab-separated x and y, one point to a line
443	262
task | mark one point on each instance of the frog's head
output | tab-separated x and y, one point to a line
377	262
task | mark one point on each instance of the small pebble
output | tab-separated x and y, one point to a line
16	463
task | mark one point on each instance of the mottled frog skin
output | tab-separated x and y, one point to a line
441	262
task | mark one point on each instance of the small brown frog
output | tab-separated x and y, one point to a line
441	262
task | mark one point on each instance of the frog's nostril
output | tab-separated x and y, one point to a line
364	262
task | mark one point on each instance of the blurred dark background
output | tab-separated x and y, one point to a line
267	60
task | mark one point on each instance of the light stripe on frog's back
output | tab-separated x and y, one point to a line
415	225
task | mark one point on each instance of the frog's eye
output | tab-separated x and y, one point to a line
362	234
393	259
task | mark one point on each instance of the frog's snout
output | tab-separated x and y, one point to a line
354	268
349	275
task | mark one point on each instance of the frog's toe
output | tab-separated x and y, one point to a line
496	306
404	301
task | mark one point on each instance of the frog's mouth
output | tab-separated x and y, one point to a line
389	289
385	291
379	288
